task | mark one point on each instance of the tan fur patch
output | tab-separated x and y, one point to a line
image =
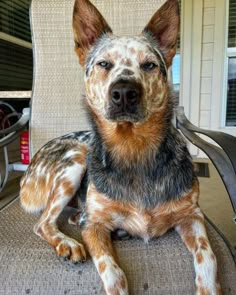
199	258
113	291
204	291
98	241
122	138
203	243
132	51
102	267
122	283
68	188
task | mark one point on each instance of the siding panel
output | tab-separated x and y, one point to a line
206	70
208	30
209	3
207	51
209	16
205	102
208	34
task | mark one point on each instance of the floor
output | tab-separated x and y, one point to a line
214	201
10	192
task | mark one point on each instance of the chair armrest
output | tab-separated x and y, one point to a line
14	131
224	158
20	124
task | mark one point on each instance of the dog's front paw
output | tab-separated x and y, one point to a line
114	281
71	250
202	291
118	288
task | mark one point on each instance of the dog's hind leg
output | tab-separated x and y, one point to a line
51	182
193	233
60	196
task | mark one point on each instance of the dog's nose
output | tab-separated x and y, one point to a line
125	93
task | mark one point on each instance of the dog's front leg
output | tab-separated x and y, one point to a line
193	233
98	241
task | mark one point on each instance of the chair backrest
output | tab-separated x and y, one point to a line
58	87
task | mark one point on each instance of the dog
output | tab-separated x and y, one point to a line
141	176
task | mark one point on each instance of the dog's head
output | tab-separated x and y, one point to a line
125	77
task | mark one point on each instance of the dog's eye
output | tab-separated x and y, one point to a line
148	66
105	64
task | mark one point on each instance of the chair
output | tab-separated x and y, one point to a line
8	133
223	157
27	264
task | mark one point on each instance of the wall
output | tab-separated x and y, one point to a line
204	34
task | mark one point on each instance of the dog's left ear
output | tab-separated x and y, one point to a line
164	26
88	26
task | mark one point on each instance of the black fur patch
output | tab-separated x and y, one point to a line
81	136
165	176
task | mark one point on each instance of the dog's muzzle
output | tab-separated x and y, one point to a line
125	100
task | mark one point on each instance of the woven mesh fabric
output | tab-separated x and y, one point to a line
57	106
28	265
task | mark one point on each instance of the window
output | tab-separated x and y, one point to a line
15	46
231	55
175	70
175	73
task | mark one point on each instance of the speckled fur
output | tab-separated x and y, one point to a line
140	173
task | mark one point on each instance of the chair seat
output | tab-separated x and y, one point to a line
28	265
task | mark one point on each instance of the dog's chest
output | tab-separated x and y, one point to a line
142	223
114	216
145	223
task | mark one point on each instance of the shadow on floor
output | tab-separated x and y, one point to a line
215	203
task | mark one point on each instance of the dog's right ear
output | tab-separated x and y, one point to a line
88	26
